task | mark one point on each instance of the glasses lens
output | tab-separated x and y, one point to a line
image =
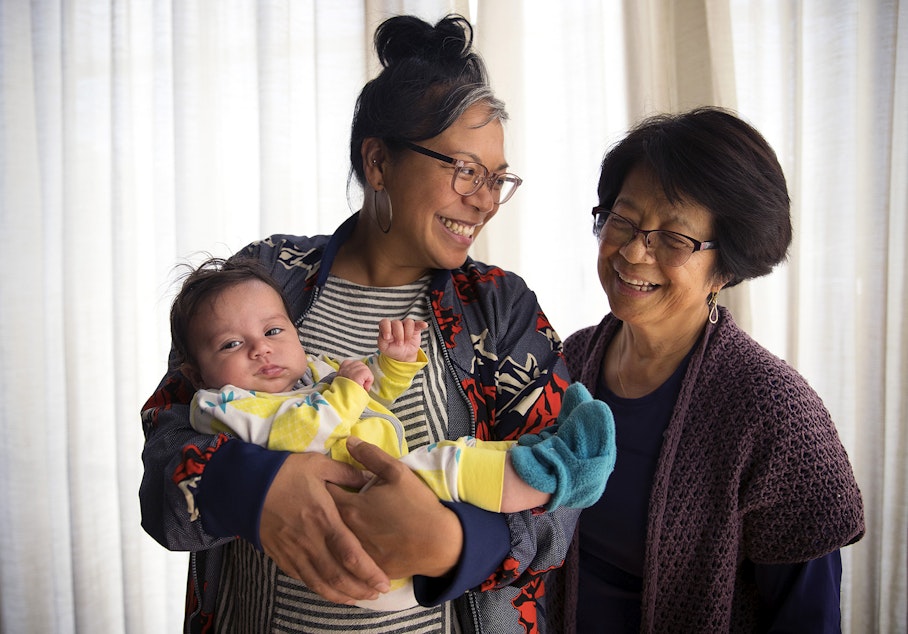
468	178
616	230
598	222
670	248
504	187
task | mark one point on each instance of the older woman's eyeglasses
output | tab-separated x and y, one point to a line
668	247
469	176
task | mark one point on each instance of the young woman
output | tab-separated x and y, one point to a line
428	148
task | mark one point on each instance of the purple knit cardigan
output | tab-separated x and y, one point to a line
751	467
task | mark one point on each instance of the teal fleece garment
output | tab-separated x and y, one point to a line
573	459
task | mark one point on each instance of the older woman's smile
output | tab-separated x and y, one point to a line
640	285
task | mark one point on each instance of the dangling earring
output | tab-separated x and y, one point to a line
382	195
713	303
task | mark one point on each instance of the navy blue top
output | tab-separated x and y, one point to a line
800	597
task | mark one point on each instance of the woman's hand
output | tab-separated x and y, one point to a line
302	531
399	520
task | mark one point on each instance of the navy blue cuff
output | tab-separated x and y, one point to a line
486	542
233	487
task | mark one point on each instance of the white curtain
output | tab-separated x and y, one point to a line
136	134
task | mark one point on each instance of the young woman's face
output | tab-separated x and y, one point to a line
640	290
434	226
243	337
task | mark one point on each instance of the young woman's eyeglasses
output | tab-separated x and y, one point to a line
668	247
469	176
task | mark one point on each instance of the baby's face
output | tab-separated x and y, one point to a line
244	338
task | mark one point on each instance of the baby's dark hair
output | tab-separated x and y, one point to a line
202	284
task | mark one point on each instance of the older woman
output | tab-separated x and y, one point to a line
731	493
427	147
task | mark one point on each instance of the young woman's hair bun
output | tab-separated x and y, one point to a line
408	37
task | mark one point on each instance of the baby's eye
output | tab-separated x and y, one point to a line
273	331
230	345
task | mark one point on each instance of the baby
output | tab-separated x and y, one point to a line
235	339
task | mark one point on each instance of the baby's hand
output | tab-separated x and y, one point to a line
400	339
357	371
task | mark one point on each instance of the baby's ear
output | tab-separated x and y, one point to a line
192	373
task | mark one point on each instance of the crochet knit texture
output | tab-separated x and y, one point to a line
751	467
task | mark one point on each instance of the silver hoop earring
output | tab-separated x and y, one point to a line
382	195
713	303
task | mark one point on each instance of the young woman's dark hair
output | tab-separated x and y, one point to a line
204	283
709	156
430	76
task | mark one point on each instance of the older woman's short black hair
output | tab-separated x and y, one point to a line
204	284
431	75
709	156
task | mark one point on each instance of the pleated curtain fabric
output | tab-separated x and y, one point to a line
138	135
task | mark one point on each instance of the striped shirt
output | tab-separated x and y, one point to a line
343	323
